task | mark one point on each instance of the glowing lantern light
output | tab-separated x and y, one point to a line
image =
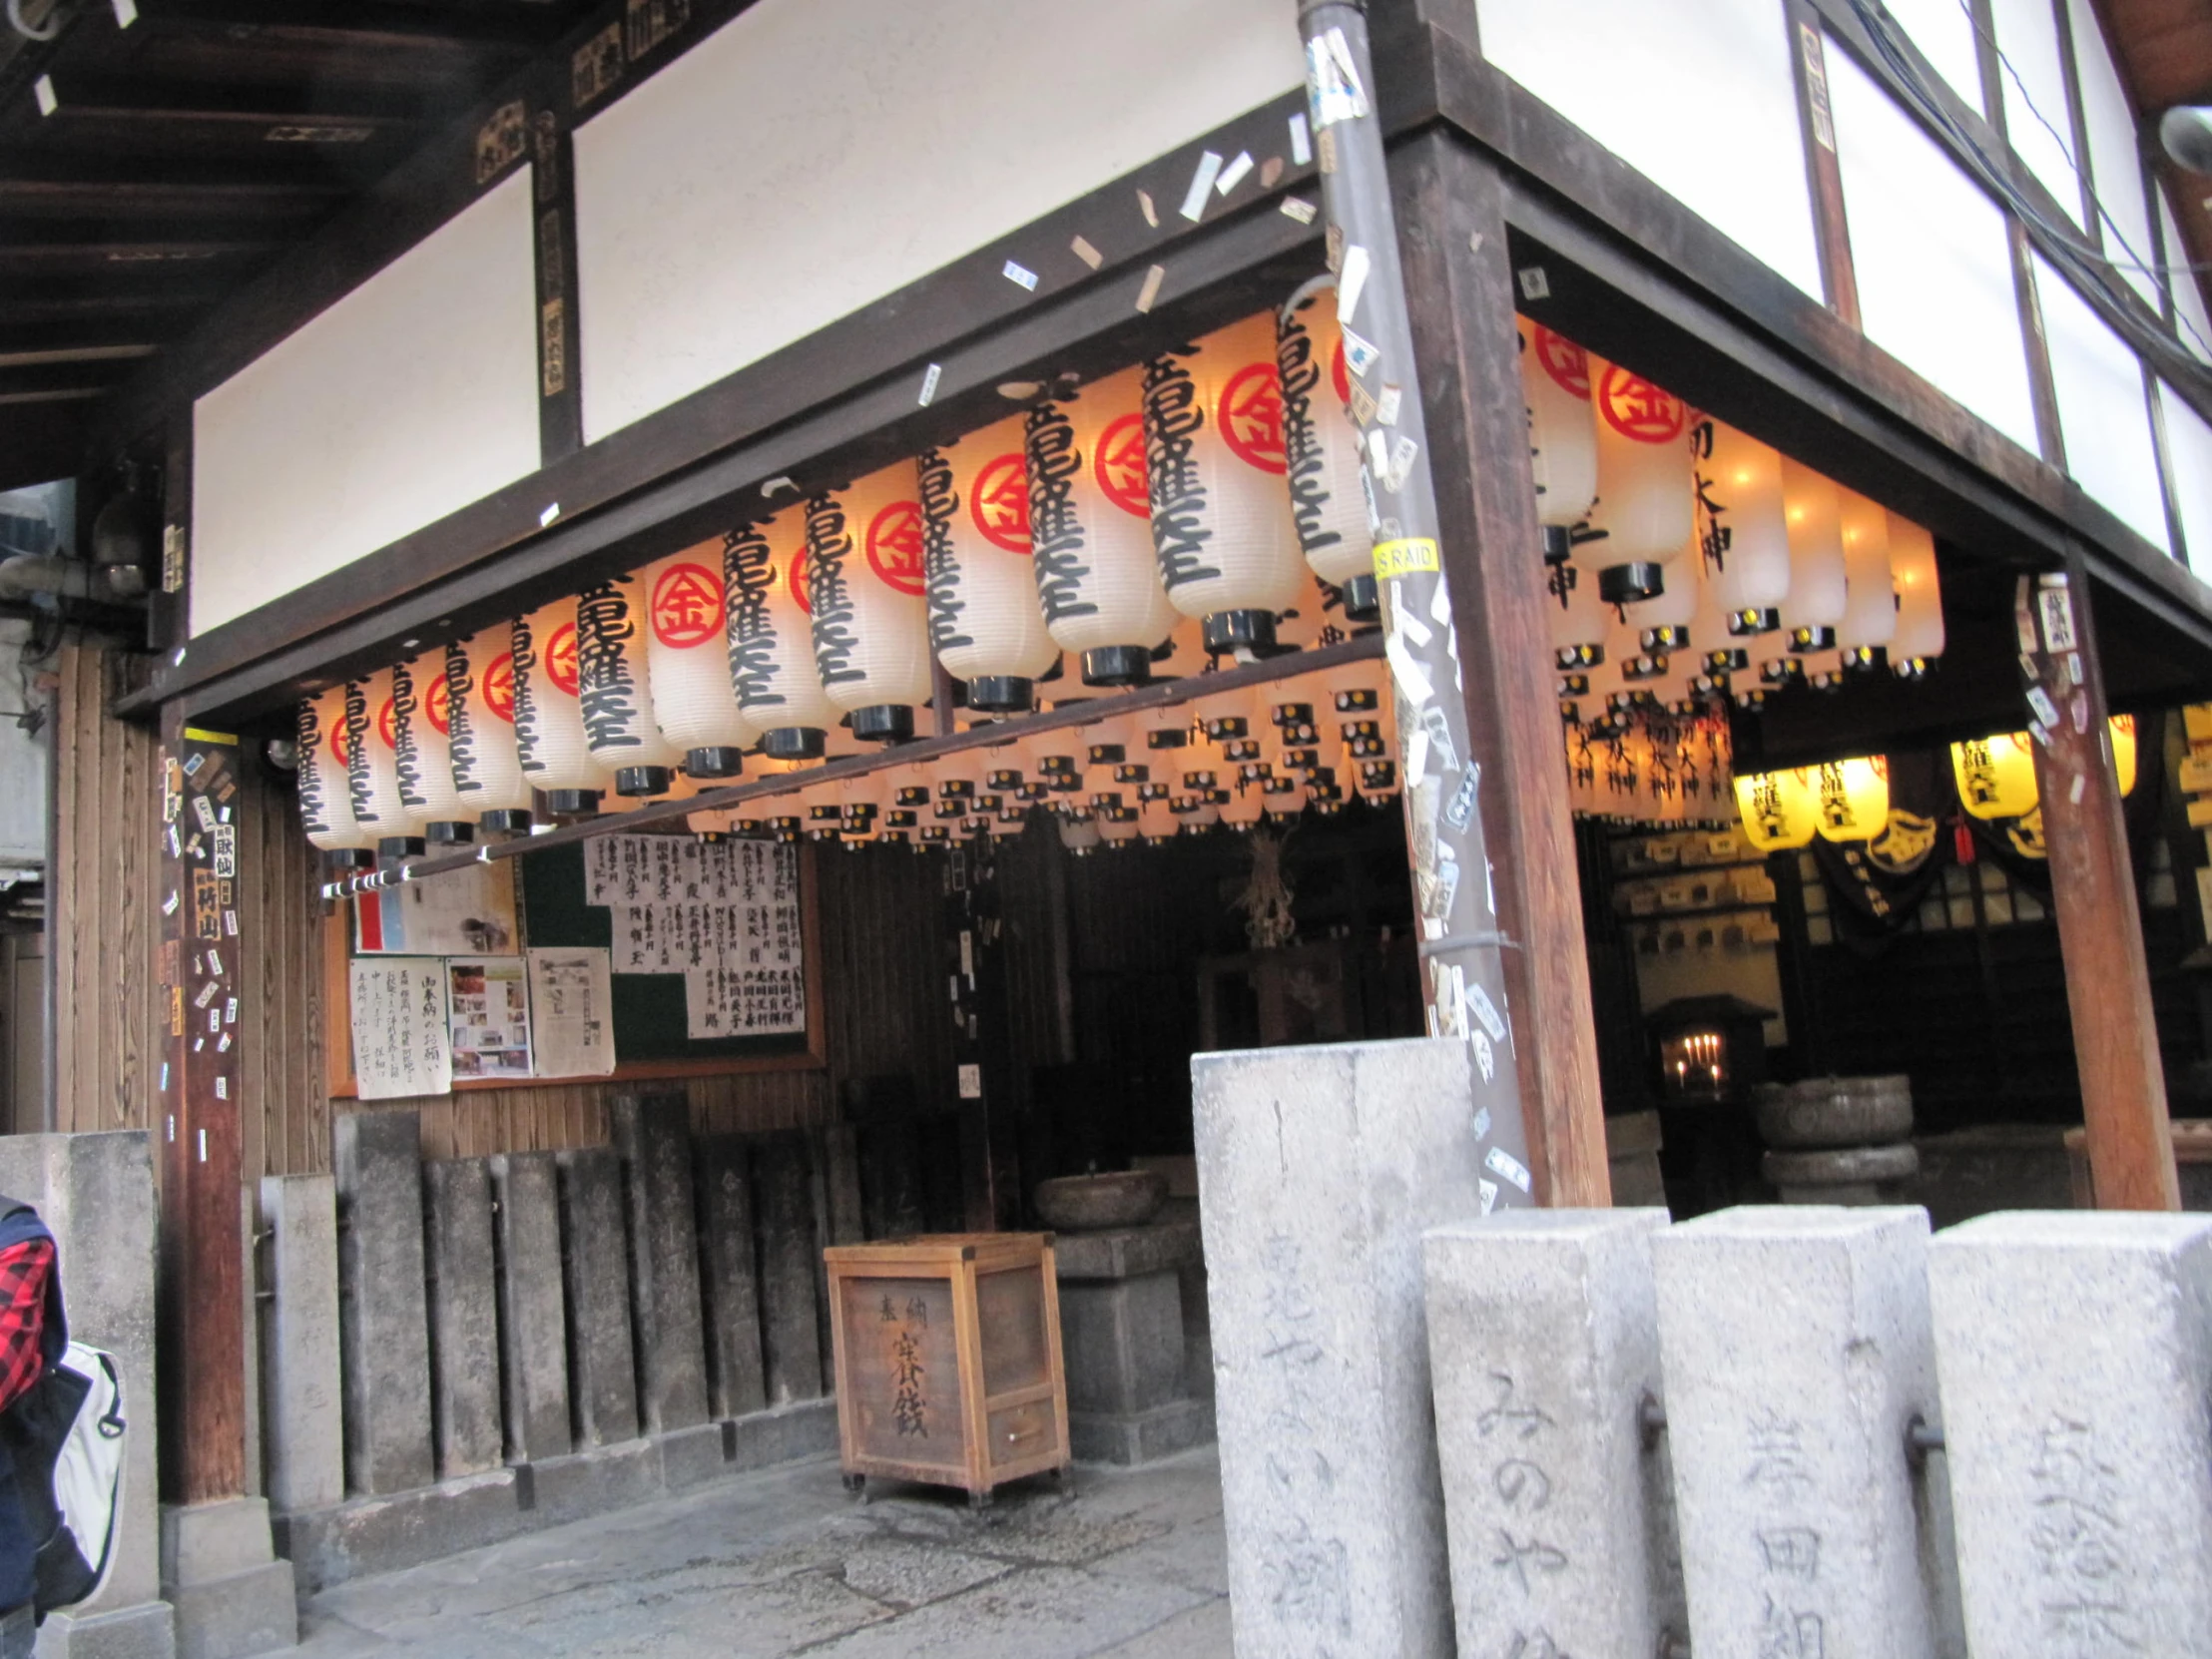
687	659
422	725
984	620
1869	620
2122	728
1580	616
1854	799
1663	623
1090	526
1716	651
480	713
1214	462
1246	803
1646	508
1320	450
1780	809
548	719
864	588
326	791
1820	587
1749	528
1562	431
1995	775
1079	836
613	689
770	638
1920	595
372	768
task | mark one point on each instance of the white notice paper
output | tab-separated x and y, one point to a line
399	1027
571	998
724	915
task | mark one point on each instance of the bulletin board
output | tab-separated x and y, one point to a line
650	1017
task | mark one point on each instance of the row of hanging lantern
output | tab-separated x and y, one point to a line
1205	502
1849	800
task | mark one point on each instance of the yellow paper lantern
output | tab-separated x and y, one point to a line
1780	809
1995	775
2122	728
1854	799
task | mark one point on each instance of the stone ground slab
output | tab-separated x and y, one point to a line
1134	1566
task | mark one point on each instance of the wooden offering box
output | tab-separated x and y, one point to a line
948	1360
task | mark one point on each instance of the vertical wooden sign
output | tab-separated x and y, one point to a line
199	955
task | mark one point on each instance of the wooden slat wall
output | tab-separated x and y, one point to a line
285	1126
107	802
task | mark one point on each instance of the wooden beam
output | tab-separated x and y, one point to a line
1459	287
1823	167
2100	933
51	193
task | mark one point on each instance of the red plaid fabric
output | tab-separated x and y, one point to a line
23	1273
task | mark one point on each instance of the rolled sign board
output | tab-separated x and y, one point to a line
1747	534
1090	528
422	725
480	710
770	638
865	588
1920	635
326	790
372	766
1819	581
1646	507
1562	431
1321	452
1869	620
548	719
1214	461
985	623
687	661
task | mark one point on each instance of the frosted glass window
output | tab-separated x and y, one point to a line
2102	412
1696	94
1934	264
2115	164
412	397
2189	454
813	155
2195	325
1944	34
2034	80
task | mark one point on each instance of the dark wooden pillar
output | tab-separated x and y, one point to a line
2100	932
1459	287
200	950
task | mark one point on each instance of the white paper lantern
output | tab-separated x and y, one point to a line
1714	650
421	740
1320	450
686	656
1819	584
1562	431
1213	462
1663	623
1747	534
372	768
1646	507
1090	524
612	686
1869	620
480	710
866	589
326	788
549	720
770	638
985	622
1920	635
1579	618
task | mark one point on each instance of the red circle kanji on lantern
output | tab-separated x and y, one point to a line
1566	362
387	724
1339	373
438	705
560	658
998	501
1118	466
1251	416
798	580
1637	409
687	606
500	686
894	546
338	743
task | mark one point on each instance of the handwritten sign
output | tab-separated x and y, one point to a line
400	1038
723	915
573	1004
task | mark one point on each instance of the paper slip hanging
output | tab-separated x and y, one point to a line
488	1002
399	1027
572	1000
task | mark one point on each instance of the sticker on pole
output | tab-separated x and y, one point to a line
1503	1162
1331	81
1408	556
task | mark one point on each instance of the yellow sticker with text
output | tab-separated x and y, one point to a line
1405	557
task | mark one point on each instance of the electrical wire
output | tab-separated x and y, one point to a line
2085	266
